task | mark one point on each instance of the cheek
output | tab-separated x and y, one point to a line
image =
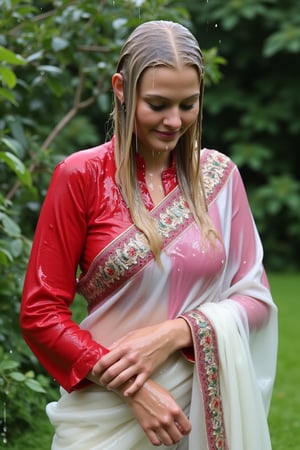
145	117
190	118
143	122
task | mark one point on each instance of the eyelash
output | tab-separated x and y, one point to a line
158	108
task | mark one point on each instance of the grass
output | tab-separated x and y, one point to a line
284	417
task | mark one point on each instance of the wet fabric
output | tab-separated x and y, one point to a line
126	289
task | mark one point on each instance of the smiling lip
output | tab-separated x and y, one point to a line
167	135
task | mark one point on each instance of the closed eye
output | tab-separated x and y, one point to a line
162	107
187	107
156	107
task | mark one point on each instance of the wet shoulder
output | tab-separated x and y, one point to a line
83	161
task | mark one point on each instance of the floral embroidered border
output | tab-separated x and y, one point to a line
207	360
215	169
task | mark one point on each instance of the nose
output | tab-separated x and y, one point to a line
172	118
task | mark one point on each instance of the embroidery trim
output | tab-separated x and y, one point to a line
216	167
206	352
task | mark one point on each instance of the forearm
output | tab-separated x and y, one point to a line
256	311
179	334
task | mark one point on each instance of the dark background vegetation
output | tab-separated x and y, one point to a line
56	62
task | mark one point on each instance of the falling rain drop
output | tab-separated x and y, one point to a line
4	427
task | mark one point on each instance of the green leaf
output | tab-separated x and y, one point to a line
50	69
16	165
17	376
30	374
10	57
17	127
34	56
10	227
34	386
12	144
8	365
5	94
16	247
8	77
5	259
59	43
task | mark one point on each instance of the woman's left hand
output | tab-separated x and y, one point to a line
137	354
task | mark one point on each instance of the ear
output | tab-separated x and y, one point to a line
118	86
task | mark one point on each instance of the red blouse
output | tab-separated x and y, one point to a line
82	213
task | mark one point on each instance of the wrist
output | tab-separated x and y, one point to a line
182	337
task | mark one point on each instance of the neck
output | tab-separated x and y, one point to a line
157	162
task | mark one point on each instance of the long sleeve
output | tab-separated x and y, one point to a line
67	352
244	278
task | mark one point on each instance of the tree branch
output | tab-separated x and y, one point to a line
78	105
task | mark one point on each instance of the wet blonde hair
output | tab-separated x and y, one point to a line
158	44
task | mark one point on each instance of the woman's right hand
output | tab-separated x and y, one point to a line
158	414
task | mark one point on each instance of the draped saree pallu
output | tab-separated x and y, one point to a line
207	363
126	289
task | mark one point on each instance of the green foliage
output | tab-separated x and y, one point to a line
7	75
251	114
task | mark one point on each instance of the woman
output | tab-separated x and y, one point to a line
179	345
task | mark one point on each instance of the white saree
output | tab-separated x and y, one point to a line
226	393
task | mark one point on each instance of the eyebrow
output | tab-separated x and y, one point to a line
161	97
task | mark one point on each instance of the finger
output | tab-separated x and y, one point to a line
183	425
165	438
137	383
113	372
174	433
179	427
105	362
125	376
153	438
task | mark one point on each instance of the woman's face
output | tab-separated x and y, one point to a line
167	105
